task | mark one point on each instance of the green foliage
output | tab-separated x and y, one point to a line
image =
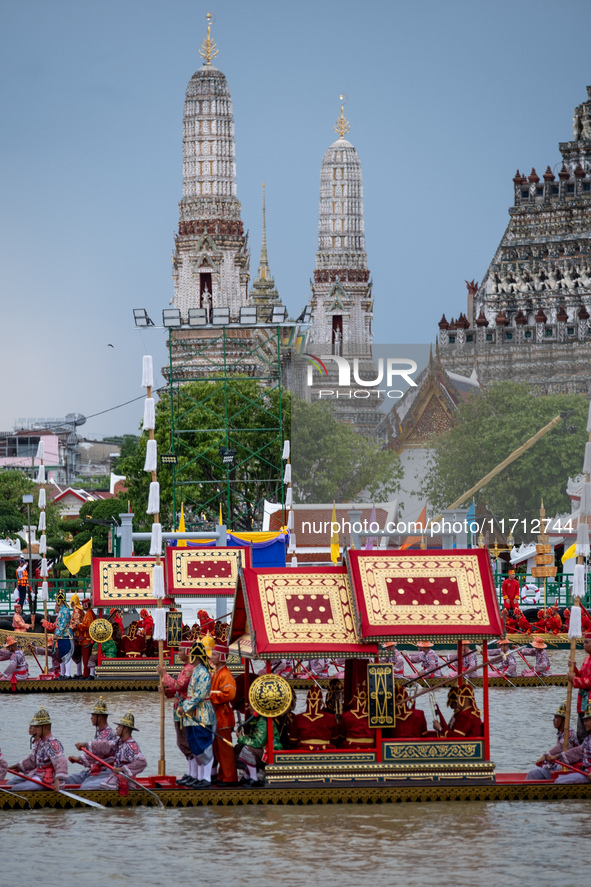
332	461
11	521
209	415
13	486
128	444
489	426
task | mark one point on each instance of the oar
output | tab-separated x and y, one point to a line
129	778
533	669
500	674
14	795
446	663
31	649
574	769
309	673
451	680
419	677
60	791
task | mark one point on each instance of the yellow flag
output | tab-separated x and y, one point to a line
334	536
221	519
80	558
570	552
182	543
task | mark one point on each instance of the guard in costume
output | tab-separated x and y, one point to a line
103	745
223	691
63	638
548	763
17	665
313	729
177	688
128	755
197	715
86	643
250	748
410	721
466	719
146	630
510	591
47	761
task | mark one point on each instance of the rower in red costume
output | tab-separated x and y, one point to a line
145	629
510	591
206	623
510	621
466	720
314	729
354	732
540	623
523	625
410	722
553	620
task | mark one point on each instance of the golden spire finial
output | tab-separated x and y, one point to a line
208	49
342	125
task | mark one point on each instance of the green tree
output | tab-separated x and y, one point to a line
238	416
488	427
332	461
127	444
13	486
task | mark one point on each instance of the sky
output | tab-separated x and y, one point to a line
445	101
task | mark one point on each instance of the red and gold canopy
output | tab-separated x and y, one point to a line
204	572
123	582
426	594
289	613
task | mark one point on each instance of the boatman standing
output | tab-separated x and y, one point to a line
17	665
22	575
223	691
198	717
510	591
548	763
178	687
103	745
47	761
63	639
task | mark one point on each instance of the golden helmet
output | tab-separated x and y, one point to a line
100	707
270	696
41	718
127	720
208	642
587	712
560	711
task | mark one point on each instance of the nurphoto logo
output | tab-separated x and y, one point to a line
387	370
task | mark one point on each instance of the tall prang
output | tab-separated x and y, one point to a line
210	259
263	291
341	303
341	299
529	318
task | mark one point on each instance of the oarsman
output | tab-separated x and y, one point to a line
553	620
428	658
63	639
579	756
129	759
314	729
18	623
197	715
469	658
17	665
353	730
466	719
581	680
86	642
547	763
47	761
250	747
392	654
503	659
542	663
510	591
103	745
223	691
178	688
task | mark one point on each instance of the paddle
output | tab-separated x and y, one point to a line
129	778
60	791
533	669
574	769
14	795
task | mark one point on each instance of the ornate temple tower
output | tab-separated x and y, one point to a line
529	319
210	259
341	299
264	291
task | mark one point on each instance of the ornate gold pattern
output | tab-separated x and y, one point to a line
125	581
380	680
208	49
100	630
200	572
342	126
270	695
433	752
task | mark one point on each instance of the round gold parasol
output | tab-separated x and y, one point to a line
100	630
270	695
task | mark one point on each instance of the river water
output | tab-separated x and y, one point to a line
442	844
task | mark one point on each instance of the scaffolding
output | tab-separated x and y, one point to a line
226	421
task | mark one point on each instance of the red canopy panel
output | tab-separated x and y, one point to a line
123	582
296	612
205	572
424	595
